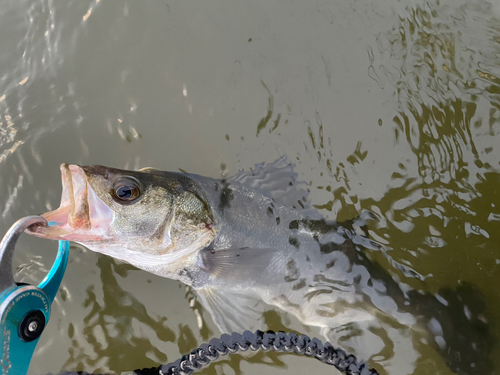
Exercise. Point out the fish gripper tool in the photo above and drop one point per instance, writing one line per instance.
(24, 308)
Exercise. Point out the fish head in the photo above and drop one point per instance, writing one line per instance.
(142, 217)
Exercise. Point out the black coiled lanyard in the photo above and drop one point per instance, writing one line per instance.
(266, 341)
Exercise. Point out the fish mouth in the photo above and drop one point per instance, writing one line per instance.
(82, 216)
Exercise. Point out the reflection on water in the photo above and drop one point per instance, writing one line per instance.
(110, 319)
(439, 61)
(391, 107)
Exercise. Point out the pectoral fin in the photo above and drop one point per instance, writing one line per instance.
(241, 275)
(233, 311)
(236, 266)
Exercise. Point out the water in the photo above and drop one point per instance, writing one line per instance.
(391, 107)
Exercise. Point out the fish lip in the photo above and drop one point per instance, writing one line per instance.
(63, 216)
(73, 219)
(79, 210)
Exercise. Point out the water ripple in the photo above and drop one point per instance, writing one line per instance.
(440, 61)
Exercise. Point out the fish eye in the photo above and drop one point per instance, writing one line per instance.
(126, 190)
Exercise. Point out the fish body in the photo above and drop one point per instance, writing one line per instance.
(250, 242)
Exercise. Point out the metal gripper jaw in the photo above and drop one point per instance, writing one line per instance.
(24, 309)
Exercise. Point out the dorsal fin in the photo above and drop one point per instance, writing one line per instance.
(279, 181)
(149, 170)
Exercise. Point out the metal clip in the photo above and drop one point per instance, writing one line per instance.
(24, 309)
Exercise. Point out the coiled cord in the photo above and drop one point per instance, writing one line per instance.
(278, 342)
(258, 340)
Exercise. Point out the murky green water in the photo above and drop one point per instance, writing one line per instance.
(391, 107)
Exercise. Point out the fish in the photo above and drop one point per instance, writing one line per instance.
(253, 242)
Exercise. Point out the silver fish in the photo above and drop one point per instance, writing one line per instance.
(253, 241)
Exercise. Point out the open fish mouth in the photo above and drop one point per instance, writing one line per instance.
(81, 216)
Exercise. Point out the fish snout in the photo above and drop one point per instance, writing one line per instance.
(82, 216)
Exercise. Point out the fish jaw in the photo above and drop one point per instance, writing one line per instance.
(82, 216)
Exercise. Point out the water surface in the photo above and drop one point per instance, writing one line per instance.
(391, 107)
